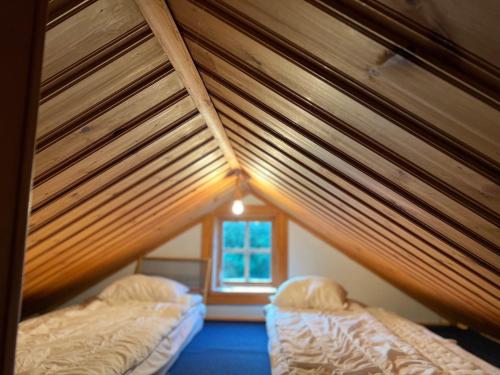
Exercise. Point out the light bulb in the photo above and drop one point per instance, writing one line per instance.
(238, 207)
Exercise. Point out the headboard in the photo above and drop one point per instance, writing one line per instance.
(192, 272)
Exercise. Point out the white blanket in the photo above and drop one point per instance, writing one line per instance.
(100, 338)
(361, 341)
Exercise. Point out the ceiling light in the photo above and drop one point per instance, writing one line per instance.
(238, 206)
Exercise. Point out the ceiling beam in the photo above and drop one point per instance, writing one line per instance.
(161, 22)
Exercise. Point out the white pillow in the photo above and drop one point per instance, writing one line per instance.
(144, 288)
(311, 292)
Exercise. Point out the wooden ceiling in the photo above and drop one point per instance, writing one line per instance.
(373, 122)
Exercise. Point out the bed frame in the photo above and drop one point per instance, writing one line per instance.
(195, 273)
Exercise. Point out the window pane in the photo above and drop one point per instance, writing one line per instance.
(260, 234)
(234, 234)
(233, 266)
(260, 266)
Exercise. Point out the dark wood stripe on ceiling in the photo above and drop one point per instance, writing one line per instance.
(95, 61)
(60, 10)
(349, 86)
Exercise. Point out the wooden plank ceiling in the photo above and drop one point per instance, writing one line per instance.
(122, 150)
(373, 122)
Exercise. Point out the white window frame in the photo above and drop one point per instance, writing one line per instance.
(246, 250)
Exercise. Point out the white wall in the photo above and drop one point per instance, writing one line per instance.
(308, 255)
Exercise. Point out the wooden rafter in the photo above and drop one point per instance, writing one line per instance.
(160, 20)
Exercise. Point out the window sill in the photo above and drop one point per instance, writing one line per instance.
(241, 295)
(246, 289)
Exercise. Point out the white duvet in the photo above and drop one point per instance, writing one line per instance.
(99, 338)
(361, 341)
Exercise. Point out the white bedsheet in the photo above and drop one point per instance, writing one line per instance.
(169, 348)
(361, 341)
(99, 338)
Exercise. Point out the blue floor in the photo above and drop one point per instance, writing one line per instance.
(224, 348)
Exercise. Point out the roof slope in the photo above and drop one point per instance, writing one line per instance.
(121, 150)
(375, 123)
(394, 155)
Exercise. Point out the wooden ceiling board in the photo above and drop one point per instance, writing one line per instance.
(345, 60)
(100, 130)
(96, 25)
(98, 90)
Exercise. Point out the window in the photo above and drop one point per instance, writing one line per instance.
(246, 252)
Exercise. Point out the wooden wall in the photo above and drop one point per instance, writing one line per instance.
(374, 122)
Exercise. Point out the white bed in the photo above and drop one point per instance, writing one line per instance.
(361, 341)
(347, 338)
(136, 326)
(104, 338)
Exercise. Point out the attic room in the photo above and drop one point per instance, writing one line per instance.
(250, 187)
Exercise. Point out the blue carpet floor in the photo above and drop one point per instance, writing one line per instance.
(224, 348)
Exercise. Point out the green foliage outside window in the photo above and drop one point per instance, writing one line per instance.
(246, 251)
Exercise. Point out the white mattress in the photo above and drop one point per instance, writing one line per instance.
(165, 354)
(361, 341)
(106, 337)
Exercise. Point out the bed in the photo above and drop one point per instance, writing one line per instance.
(137, 326)
(353, 339)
